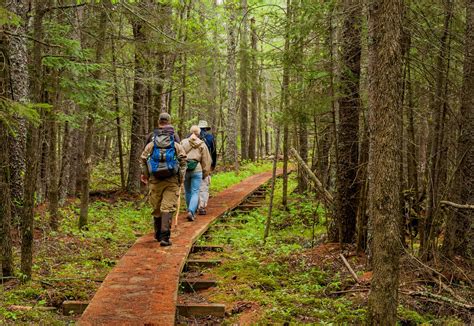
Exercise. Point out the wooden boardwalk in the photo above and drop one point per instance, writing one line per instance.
(143, 288)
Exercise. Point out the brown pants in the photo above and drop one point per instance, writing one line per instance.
(164, 196)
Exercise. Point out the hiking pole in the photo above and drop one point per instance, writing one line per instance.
(178, 207)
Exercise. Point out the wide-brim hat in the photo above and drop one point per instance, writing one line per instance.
(164, 117)
(203, 124)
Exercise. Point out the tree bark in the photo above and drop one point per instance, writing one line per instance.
(53, 171)
(385, 64)
(348, 131)
(459, 234)
(19, 92)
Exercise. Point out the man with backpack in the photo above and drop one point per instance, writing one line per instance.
(210, 142)
(163, 163)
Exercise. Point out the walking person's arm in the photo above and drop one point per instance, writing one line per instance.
(181, 155)
(143, 163)
(206, 161)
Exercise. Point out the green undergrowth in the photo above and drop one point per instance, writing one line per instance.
(273, 275)
(70, 264)
(284, 278)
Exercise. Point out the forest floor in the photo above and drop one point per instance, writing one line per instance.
(294, 277)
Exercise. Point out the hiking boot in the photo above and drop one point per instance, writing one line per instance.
(165, 242)
(165, 229)
(190, 217)
(202, 211)
(157, 227)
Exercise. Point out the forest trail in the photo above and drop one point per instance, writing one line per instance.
(143, 287)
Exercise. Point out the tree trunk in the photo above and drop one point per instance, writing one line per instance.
(118, 121)
(459, 229)
(362, 218)
(65, 162)
(348, 131)
(385, 64)
(136, 140)
(32, 145)
(19, 92)
(53, 172)
(272, 189)
(244, 83)
(89, 131)
(285, 102)
(254, 125)
(6, 252)
(231, 155)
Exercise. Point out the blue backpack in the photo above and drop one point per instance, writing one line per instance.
(163, 163)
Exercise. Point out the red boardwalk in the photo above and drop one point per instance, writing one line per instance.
(143, 288)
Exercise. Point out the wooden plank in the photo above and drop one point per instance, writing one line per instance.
(247, 208)
(74, 307)
(192, 284)
(201, 309)
(207, 248)
(201, 263)
(227, 226)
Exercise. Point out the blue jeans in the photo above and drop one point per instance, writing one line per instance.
(192, 183)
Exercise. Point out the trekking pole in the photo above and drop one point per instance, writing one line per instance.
(178, 207)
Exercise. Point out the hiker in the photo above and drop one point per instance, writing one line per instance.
(210, 141)
(164, 122)
(163, 164)
(198, 168)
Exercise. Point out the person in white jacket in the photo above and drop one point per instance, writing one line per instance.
(198, 168)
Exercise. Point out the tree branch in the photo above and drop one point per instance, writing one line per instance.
(450, 203)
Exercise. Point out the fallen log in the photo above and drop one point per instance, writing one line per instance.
(349, 268)
(328, 198)
(438, 297)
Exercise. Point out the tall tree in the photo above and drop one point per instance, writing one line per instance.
(244, 82)
(19, 92)
(138, 112)
(285, 100)
(32, 145)
(90, 121)
(459, 228)
(385, 64)
(254, 125)
(348, 130)
(6, 252)
(231, 105)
